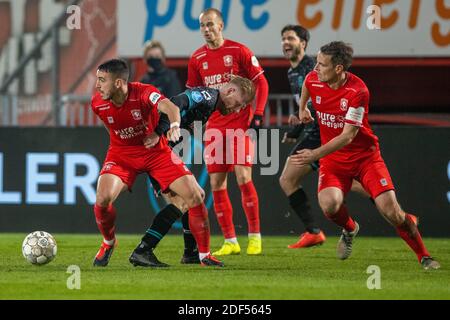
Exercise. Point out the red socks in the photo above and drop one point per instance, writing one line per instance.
(410, 234)
(224, 210)
(250, 204)
(105, 219)
(224, 213)
(199, 225)
(341, 218)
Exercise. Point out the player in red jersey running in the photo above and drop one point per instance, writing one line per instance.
(350, 150)
(211, 66)
(129, 111)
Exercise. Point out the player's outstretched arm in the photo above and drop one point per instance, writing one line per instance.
(307, 156)
(163, 125)
(173, 113)
(182, 102)
(304, 113)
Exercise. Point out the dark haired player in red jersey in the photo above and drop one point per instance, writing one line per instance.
(211, 66)
(130, 112)
(350, 150)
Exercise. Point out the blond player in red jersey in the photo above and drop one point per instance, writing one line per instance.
(350, 150)
(130, 112)
(211, 66)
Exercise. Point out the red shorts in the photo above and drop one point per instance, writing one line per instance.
(161, 164)
(370, 171)
(223, 152)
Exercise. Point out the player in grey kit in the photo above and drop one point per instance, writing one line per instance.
(196, 104)
(294, 43)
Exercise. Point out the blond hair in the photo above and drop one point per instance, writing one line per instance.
(150, 44)
(246, 86)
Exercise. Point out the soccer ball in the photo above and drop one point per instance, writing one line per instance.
(39, 247)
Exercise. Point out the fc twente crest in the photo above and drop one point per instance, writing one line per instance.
(136, 113)
(344, 104)
(228, 61)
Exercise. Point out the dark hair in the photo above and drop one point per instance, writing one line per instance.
(213, 10)
(340, 52)
(300, 31)
(116, 67)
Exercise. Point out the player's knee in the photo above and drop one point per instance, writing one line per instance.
(179, 203)
(103, 199)
(392, 212)
(243, 178)
(202, 194)
(218, 185)
(286, 184)
(194, 198)
(282, 181)
(195, 201)
(330, 206)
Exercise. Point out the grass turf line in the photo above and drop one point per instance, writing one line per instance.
(280, 273)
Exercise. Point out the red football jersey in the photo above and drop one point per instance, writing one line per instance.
(131, 122)
(213, 67)
(334, 108)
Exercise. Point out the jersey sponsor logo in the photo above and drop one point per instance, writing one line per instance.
(216, 80)
(108, 166)
(154, 97)
(205, 65)
(130, 132)
(355, 115)
(206, 95)
(136, 113)
(110, 120)
(344, 104)
(255, 62)
(318, 99)
(197, 96)
(228, 61)
(330, 120)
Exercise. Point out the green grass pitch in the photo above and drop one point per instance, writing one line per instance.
(280, 273)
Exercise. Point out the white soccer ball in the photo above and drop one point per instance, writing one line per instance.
(39, 247)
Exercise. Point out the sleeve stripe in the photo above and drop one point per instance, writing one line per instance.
(354, 123)
(260, 73)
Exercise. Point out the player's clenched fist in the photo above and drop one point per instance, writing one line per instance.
(174, 133)
(305, 116)
(303, 157)
(294, 120)
(151, 140)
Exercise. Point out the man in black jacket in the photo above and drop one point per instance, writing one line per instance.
(158, 75)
